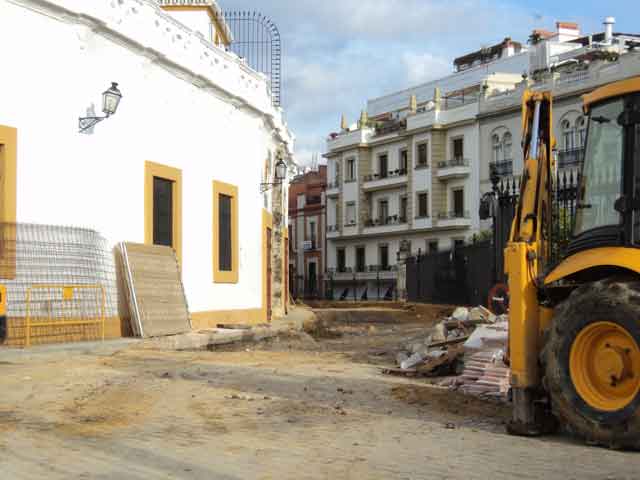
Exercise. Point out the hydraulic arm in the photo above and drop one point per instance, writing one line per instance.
(526, 254)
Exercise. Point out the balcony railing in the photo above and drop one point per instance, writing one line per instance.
(310, 245)
(390, 126)
(334, 184)
(570, 158)
(453, 215)
(333, 228)
(314, 200)
(382, 268)
(502, 168)
(390, 220)
(455, 162)
(400, 172)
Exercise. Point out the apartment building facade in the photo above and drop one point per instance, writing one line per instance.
(408, 177)
(307, 233)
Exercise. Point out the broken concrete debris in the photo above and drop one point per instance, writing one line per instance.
(469, 344)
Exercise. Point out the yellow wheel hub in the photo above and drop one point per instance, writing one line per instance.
(605, 366)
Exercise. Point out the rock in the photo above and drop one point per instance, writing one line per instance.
(401, 357)
(481, 314)
(412, 361)
(460, 314)
(439, 333)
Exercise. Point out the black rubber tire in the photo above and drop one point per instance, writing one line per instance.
(617, 302)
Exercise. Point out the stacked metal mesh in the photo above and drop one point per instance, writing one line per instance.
(32, 255)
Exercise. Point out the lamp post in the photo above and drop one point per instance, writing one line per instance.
(110, 102)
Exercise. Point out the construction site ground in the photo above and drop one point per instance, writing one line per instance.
(294, 407)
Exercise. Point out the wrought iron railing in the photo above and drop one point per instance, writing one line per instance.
(333, 228)
(390, 126)
(390, 220)
(333, 185)
(454, 162)
(400, 172)
(503, 168)
(570, 158)
(453, 215)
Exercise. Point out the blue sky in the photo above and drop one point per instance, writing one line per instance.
(339, 53)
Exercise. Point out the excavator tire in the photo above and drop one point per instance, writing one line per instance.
(592, 364)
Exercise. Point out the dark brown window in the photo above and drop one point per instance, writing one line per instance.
(422, 155)
(360, 259)
(423, 205)
(383, 211)
(224, 243)
(403, 161)
(162, 212)
(433, 246)
(384, 257)
(403, 209)
(383, 165)
(341, 259)
(458, 203)
(458, 149)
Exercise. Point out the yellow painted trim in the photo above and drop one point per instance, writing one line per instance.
(285, 268)
(219, 276)
(211, 319)
(628, 258)
(151, 170)
(219, 30)
(623, 87)
(267, 223)
(8, 197)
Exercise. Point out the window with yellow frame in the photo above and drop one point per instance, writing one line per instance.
(226, 248)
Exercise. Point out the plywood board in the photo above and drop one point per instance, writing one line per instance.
(156, 295)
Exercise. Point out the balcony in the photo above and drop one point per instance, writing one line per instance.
(333, 231)
(454, 219)
(390, 126)
(456, 168)
(570, 158)
(310, 245)
(392, 223)
(333, 188)
(390, 179)
(349, 139)
(503, 168)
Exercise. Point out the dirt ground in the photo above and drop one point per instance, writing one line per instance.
(302, 406)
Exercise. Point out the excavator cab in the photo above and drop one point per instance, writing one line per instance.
(575, 325)
(608, 210)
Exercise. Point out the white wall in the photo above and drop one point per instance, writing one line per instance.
(97, 181)
(196, 20)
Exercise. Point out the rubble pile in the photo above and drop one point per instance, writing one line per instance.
(469, 344)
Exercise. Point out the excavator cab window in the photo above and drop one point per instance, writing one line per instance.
(602, 173)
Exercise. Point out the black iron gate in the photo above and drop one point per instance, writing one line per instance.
(466, 275)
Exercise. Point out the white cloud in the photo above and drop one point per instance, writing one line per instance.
(422, 67)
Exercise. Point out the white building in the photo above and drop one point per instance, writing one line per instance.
(413, 169)
(193, 116)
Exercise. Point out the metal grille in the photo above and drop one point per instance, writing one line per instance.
(225, 233)
(257, 40)
(50, 255)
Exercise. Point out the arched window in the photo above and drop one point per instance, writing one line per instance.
(497, 148)
(506, 146)
(581, 127)
(568, 137)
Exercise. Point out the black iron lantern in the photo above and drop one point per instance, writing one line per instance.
(110, 102)
(111, 99)
(279, 176)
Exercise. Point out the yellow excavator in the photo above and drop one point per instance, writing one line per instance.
(574, 332)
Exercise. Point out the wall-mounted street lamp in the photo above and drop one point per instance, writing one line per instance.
(280, 175)
(110, 101)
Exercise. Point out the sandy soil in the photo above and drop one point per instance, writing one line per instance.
(301, 406)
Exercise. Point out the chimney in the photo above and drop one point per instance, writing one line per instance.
(609, 22)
